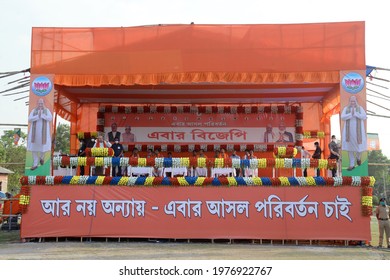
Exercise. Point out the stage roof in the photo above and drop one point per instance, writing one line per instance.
(160, 64)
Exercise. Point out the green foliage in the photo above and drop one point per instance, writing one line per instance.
(62, 142)
(380, 170)
(13, 157)
(375, 200)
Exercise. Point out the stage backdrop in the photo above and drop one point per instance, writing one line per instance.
(203, 128)
(289, 213)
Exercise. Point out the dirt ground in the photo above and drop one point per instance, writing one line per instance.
(11, 248)
(71, 250)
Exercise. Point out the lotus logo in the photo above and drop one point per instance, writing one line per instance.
(352, 82)
(41, 86)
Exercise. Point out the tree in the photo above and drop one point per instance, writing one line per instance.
(62, 141)
(378, 167)
(13, 157)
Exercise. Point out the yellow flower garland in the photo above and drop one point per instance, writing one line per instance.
(321, 134)
(306, 134)
(199, 181)
(185, 162)
(284, 181)
(149, 181)
(123, 181)
(282, 151)
(99, 180)
(201, 162)
(24, 200)
(367, 200)
(322, 163)
(219, 162)
(81, 161)
(257, 181)
(99, 161)
(279, 163)
(310, 181)
(74, 180)
(182, 181)
(141, 162)
(372, 181)
(262, 163)
(232, 181)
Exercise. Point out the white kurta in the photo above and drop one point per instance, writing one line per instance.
(39, 145)
(353, 145)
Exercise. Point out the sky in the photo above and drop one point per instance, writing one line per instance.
(19, 16)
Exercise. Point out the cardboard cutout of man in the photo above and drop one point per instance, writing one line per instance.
(39, 137)
(354, 138)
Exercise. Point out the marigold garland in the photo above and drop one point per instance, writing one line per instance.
(99, 161)
(284, 181)
(257, 181)
(313, 134)
(65, 161)
(101, 152)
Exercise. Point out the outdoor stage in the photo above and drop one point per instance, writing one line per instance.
(263, 91)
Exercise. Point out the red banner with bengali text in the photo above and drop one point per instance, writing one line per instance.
(292, 213)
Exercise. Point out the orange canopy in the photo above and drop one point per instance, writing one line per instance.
(197, 53)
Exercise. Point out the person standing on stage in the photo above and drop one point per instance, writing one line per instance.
(101, 143)
(334, 153)
(81, 153)
(39, 138)
(305, 154)
(118, 153)
(235, 156)
(317, 155)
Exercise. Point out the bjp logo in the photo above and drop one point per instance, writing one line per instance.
(41, 86)
(352, 82)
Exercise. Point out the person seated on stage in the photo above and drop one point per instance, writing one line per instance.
(223, 154)
(201, 171)
(304, 154)
(217, 154)
(134, 155)
(150, 154)
(157, 153)
(118, 153)
(235, 156)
